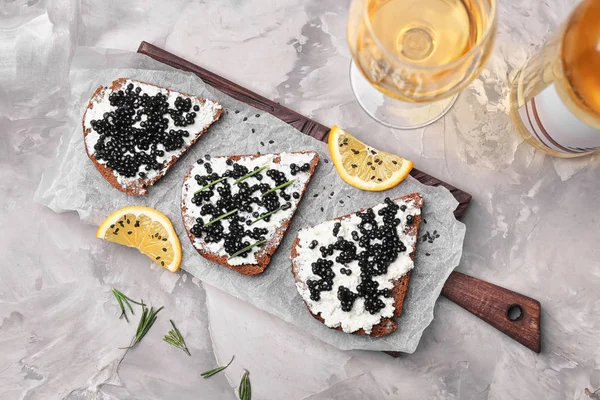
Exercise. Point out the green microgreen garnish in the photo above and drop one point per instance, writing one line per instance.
(227, 214)
(265, 215)
(175, 339)
(256, 171)
(212, 372)
(146, 321)
(123, 301)
(245, 390)
(209, 185)
(245, 249)
(283, 185)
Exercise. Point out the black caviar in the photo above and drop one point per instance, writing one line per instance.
(336, 228)
(375, 246)
(256, 199)
(294, 169)
(130, 135)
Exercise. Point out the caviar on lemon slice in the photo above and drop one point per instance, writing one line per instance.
(146, 229)
(363, 166)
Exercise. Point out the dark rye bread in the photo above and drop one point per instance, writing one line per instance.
(263, 256)
(386, 325)
(139, 187)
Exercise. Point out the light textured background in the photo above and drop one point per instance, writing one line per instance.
(533, 225)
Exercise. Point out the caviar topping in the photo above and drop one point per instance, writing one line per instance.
(135, 135)
(232, 198)
(374, 246)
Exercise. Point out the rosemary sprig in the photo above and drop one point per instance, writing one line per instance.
(227, 214)
(212, 372)
(265, 215)
(123, 301)
(245, 249)
(283, 185)
(245, 390)
(175, 339)
(209, 185)
(256, 171)
(146, 321)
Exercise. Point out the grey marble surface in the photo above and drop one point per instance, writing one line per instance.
(533, 224)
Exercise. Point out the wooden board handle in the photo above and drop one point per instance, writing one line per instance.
(516, 315)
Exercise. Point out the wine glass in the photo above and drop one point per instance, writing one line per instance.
(412, 57)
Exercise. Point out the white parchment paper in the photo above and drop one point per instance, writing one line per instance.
(73, 183)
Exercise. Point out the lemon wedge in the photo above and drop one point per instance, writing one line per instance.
(146, 229)
(364, 167)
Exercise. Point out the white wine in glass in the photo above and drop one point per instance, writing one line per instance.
(412, 57)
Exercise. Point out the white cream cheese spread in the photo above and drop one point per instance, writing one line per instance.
(313, 243)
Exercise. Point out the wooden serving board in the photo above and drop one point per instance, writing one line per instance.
(516, 315)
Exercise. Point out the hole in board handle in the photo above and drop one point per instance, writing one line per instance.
(514, 313)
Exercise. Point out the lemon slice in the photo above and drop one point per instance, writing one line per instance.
(146, 229)
(363, 166)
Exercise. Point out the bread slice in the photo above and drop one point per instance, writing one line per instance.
(359, 322)
(260, 256)
(206, 111)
